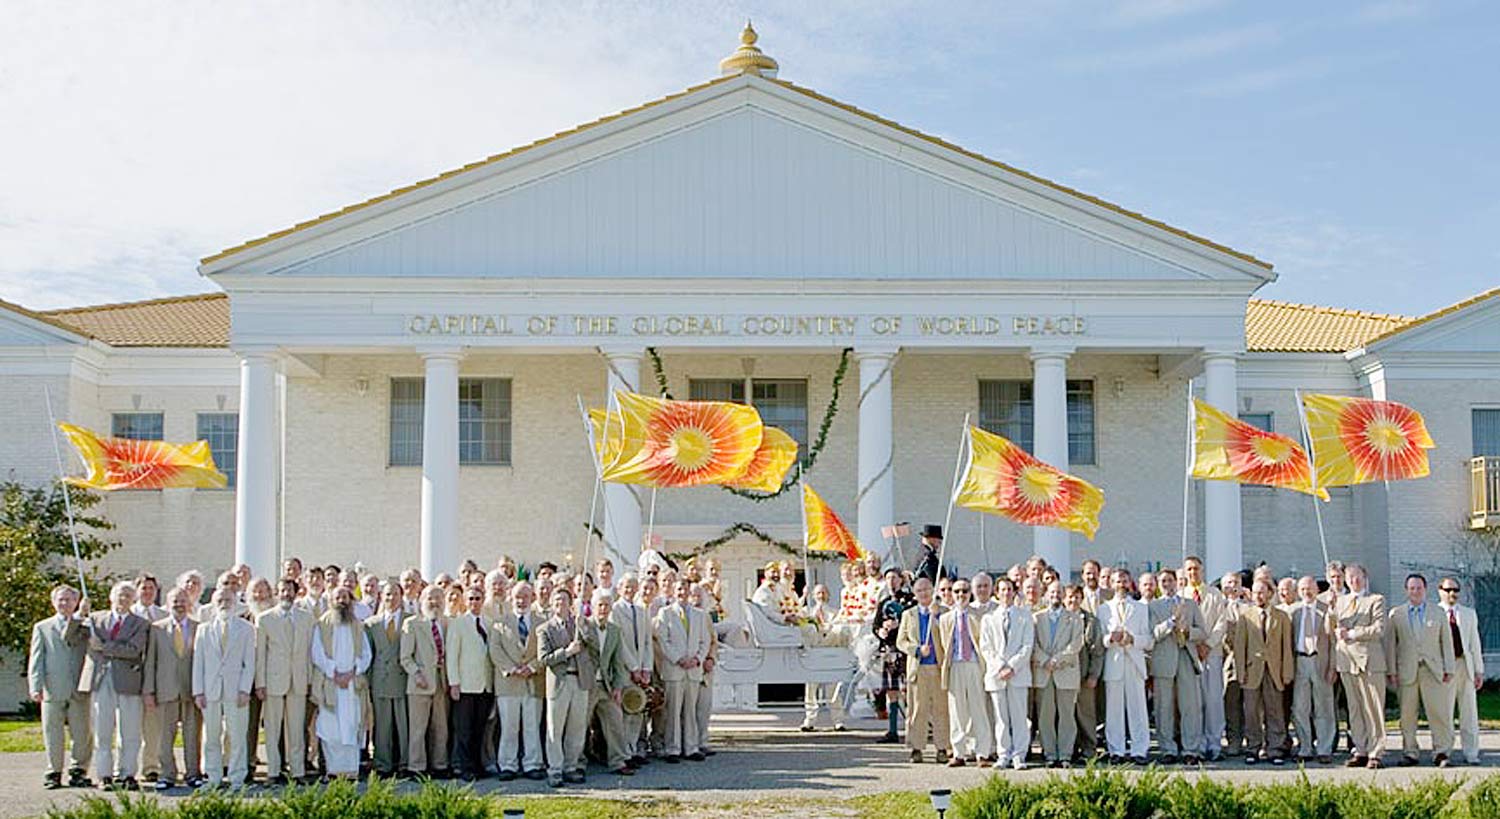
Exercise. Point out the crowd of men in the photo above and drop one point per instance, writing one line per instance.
(474, 674)
(516, 674)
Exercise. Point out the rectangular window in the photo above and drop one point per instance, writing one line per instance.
(1486, 432)
(221, 430)
(782, 403)
(1262, 421)
(484, 421)
(1007, 408)
(484, 432)
(1487, 606)
(140, 426)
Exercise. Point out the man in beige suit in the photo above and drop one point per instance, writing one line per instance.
(113, 674)
(1359, 622)
(1262, 651)
(519, 686)
(1217, 621)
(283, 641)
(1468, 662)
(56, 658)
(927, 701)
(1420, 644)
(560, 650)
(1312, 681)
(223, 677)
(682, 644)
(639, 651)
(962, 668)
(168, 692)
(424, 656)
(1055, 672)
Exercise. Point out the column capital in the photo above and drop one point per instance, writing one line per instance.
(623, 353)
(876, 352)
(1220, 355)
(257, 352)
(439, 352)
(1050, 353)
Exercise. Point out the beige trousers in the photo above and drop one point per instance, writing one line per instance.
(927, 709)
(284, 717)
(1437, 699)
(611, 723)
(1058, 720)
(705, 710)
(427, 720)
(1265, 719)
(681, 728)
(1312, 710)
(969, 727)
(150, 742)
(184, 713)
(567, 725)
(1366, 696)
(72, 713)
(226, 726)
(1179, 707)
(109, 712)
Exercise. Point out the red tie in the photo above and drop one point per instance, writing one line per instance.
(114, 630)
(437, 638)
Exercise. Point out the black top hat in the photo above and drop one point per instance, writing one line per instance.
(932, 530)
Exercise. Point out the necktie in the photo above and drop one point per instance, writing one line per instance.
(390, 629)
(479, 627)
(1265, 624)
(1411, 617)
(961, 636)
(179, 644)
(524, 628)
(635, 631)
(1458, 640)
(1197, 595)
(224, 636)
(114, 629)
(437, 640)
(683, 613)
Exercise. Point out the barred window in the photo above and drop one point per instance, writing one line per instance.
(782, 402)
(484, 421)
(221, 431)
(140, 426)
(1007, 407)
(1486, 425)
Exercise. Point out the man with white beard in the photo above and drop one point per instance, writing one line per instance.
(341, 654)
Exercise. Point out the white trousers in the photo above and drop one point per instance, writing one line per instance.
(1125, 707)
(1012, 728)
(111, 711)
(520, 725)
(968, 719)
(817, 695)
(1212, 680)
(681, 729)
(225, 727)
(1468, 713)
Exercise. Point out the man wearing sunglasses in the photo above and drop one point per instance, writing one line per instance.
(962, 669)
(1468, 654)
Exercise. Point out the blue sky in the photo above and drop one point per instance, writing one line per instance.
(1353, 144)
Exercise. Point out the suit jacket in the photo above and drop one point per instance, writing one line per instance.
(1364, 651)
(469, 655)
(909, 636)
(169, 677)
(603, 645)
(947, 625)
(1263, 656)
(1064, 643)
(1468, 633)
(1135, 619)
(637, 635)
(508, 651)
(121, 655)
(224, 660)
(387, 677)
(283, 651)
(419, 654)
(675, 642)
(1006, 639)
(56, 658)
(1322, 626)
(552, 652)
(1171, 651)
(149, 613)
(1430, 643)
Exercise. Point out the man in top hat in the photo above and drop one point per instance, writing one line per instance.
(928, 565)
(58, 646)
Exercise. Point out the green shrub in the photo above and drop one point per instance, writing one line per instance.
(1202, 798)
(1482, 802)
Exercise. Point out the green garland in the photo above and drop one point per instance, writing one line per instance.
(726, 536)
(661, 374)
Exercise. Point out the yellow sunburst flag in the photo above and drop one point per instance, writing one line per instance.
(668, 443)
(767, 470)
(826, 532)
(1004, 479)
(1228, 449)
(126, 463)
(1359, 440)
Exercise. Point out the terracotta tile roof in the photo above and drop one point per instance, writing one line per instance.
(200, 320)
(1437, 314)
(783, 83)
(1284, 327)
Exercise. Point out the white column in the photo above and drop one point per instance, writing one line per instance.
(622, 506)
(876, 493)
(1049, 443)
(440, 462)
(1223, 551)
(255, 488)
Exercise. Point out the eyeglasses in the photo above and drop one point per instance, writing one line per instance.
(1453, 589)
(960, 590)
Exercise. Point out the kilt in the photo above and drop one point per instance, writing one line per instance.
(893, 670)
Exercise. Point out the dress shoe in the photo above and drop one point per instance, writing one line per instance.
(1357, 762)
(1325, 759)
(956, 762)
(1407, 761)
(1169, 759)
(507, 776)
(840, 727)
(1441, 760)
(151, 777)
(52, 782)
(696, 756)
(78, 779)
(971, 760)
(574, 777)
(888, 739)
(555, 781)
(671, 759)
(984, 762)
(1374, 764)
(916, 757)
(536, 774)
(942, 756)
(1191, 759)
(806, 728)
(164, 784)
(623, 770)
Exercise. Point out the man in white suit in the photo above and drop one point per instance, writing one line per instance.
(1468, 657)
(1006, 637)
(638, 649)
(283, 644)
(682, 646)
(1127, 638)
(471, 684)
(223, 676)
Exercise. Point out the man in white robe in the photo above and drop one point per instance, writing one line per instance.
(341, 653)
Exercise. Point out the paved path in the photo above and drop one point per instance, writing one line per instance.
(763, 757)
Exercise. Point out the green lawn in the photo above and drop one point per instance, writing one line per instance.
(18, 735)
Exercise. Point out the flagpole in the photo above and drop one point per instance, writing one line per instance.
(806, 558)
(62, 479)
(651, 518)
(984, 548)
(1187, 472)
(1312, 469)
(963, 449)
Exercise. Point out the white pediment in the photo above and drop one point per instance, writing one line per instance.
(20, 330)
(1465, 328)
(745, 178)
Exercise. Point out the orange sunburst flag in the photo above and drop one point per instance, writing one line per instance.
(1359, 440)
(667, 443)
(1228, 449)
(608, 437)
(1004, 479)
(126, 463)
(825, 531)
(767, 470)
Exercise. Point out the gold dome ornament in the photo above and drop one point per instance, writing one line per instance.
(747, 59)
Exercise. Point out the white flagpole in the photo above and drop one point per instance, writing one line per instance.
(651, 518)
(958, 469)
(62, 478)
(1187, 472)
(1312, 469)
(984, 548)
(806, 557)
(594, 449)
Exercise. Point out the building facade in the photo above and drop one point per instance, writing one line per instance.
(399, 383)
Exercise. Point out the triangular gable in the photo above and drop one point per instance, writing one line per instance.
(1469, 326)
(20, 327)
(744, 176)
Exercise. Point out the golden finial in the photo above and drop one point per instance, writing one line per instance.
(747, 59)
